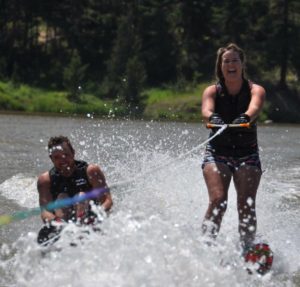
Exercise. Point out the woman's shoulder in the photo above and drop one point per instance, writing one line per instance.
(256, 88)
(253, 84)
(211, 89)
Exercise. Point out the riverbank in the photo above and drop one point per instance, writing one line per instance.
(159, 104)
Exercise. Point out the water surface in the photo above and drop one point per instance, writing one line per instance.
(152, 237)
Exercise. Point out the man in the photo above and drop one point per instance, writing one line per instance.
(67, 178)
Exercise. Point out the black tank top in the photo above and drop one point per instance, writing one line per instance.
(71, 185)
(234, 142)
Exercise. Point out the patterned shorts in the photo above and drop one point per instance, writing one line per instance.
(232, 162)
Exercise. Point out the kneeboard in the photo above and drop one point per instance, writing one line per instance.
(48, 235)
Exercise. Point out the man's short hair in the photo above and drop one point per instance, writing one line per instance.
(57, 141)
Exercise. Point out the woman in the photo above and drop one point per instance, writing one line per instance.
(234, 153)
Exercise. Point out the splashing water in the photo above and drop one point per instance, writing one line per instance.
(152, 237)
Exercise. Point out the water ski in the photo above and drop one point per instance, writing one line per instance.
(259, 258)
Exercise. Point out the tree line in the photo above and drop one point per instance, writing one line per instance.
(117, 48)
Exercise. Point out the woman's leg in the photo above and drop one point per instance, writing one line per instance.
(217, 178)
(246, 180)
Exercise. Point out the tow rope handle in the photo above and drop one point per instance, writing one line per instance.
(245, 125)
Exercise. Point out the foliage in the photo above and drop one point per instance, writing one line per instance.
(118, 49)
(25, 98)
(74, 75)
(172, 104)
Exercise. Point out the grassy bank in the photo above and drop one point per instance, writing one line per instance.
(33, 100)
(172, 104)
(160, 103)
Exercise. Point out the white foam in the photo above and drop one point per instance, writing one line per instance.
(22, 189)
(153, 237)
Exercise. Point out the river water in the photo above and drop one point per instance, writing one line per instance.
(152, 237)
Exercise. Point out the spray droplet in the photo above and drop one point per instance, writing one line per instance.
(249, 201)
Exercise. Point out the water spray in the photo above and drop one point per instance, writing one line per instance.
(20, 215)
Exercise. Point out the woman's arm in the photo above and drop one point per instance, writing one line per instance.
(258, 95)
(208, 102)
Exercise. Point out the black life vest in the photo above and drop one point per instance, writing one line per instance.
(71, 185)
(235, 142)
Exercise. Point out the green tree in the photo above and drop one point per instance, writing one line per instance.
(157, 50)
(279, 37)
(133, 85)
(191, 28)
(276, 38)
(135, 43)
(126, 72)
(74, 75)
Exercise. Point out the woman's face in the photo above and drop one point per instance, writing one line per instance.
(231, 66)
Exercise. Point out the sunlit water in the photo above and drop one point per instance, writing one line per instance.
(152, 237)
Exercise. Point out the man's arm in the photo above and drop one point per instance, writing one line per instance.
(97, 180)
(45, 197)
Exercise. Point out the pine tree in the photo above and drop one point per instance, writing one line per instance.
(74, 74)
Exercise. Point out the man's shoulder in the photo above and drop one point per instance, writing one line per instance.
(44, 176)
(43, 179)
(92, 167)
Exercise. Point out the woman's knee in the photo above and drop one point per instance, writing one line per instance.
(246, 203)
(219, 201)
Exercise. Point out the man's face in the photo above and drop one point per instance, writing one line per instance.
(62, 158)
